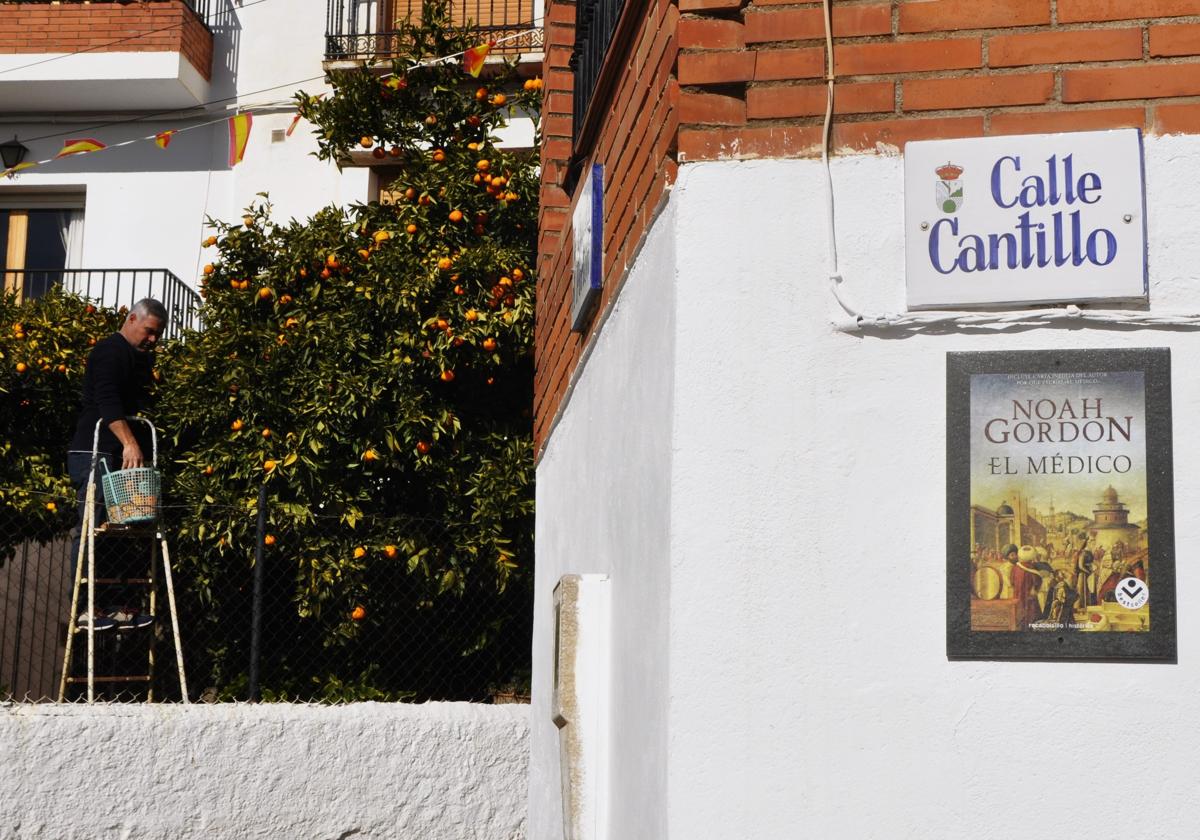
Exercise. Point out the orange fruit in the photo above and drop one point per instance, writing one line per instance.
(50, 506)
(211, 241)
(459, 290)
(269, 539)
(331, 261)
(389, 550)
(22, 367)
(208, 470)
(208, 269)
(366, 142)
(456, 216)
(423, 447)
(438, 156)
(370, 455)
(63, 369)
(489, 344)
(445, 263)
(424, 201)
(471, 315)
(410, 193)
(248, 221)
(360, 553)
(326, 274)
(285, 299)
(358, 613)
(442, 324)
(411, 229)
(381, 236)
(395, 151)
(237, 425)
(266, 433)
(431, 119)
(363, 253)
(264, 293)
(499, 99)
(483, 165)
(481, 93)
(379, 153)
(268, 465)
(518, 274)
(303, 272)
(447, 376)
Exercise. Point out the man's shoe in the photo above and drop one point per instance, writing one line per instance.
(101, 623)
(128, 618)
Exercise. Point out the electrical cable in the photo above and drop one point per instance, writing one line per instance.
(857, 320)
(202, 105)
(95, 47)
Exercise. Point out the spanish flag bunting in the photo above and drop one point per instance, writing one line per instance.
(12, 171)
(292, 127)
(163, 138)
(80, 146)
(474, 57)
(239, 136)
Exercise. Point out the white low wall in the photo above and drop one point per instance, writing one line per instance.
(440, 771)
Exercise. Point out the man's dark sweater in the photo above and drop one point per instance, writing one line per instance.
(115, 384)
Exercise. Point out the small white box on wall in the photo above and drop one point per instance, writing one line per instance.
(580, 705)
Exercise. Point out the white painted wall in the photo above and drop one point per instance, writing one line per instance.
(146, 206)
(603, 494)
(370, 771)
(805, 690)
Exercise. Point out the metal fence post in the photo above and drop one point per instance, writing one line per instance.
(256, 607)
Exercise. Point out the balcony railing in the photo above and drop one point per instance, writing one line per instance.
(595, 24)
(116, 287)
(356, 30)
(201, 8)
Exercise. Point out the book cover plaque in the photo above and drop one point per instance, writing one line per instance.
(1060, 522)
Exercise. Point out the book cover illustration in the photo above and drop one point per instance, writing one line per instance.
(1062, 470)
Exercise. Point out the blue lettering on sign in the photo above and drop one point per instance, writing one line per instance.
(1033, 242)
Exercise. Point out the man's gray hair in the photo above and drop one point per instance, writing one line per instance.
(151, 307)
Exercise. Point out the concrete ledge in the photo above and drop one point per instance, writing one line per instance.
(369, 770)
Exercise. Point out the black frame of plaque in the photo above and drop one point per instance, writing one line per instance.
(1159, 642)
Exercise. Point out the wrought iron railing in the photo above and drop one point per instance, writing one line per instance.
(370, 29)
(201, 8)
(595, 23)
(116, 287)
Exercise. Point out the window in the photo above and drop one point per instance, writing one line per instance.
(41, 239)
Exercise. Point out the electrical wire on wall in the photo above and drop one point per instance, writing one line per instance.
(857, 320)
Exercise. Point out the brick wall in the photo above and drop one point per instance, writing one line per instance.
(167, 26)
(636, 144)
(748, 81)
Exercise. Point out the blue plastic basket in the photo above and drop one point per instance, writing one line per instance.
(131, 496)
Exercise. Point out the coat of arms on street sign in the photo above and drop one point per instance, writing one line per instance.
(949, 188)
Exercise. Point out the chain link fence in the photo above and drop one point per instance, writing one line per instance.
(251, 626)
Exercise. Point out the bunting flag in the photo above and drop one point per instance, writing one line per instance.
(80, 146)
(239, 136)
(163, 138)
(474, 57)
(12, 171)
(292, 127)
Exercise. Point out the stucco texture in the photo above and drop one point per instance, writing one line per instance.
(363, 771)
(805, 691)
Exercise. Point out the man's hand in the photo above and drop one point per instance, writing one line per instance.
(131, 456)
(131, 453)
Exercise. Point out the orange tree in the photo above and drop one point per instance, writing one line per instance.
(372, 366)
(44, 344)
